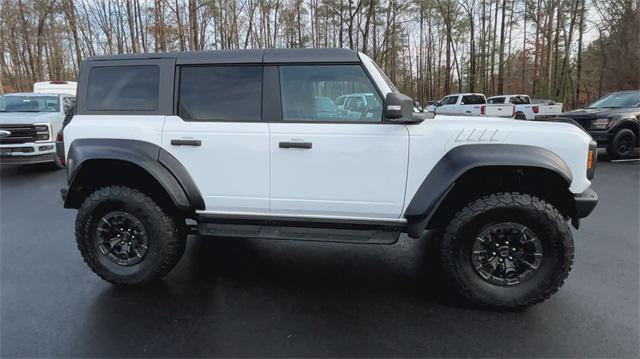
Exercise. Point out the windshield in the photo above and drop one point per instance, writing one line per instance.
(29, 104)
(618, 100)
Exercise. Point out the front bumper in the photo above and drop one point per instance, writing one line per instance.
(27, 153)
(585, 204)
(603, 137)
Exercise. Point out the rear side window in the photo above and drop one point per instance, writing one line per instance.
(473, 100)
(495, 100)
(220, 93)
(520, 100)
(123, 88)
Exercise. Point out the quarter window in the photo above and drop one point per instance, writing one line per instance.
(333, 93)
(123, 88)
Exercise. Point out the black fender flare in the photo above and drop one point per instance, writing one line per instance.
(160, 164)
(461, 159)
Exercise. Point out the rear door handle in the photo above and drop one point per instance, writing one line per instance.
(305, 145)
(176, 142)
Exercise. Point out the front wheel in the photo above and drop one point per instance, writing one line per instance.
(507, 250)
(622, 144)
(126, 238)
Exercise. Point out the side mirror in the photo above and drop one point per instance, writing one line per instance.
(399, 108)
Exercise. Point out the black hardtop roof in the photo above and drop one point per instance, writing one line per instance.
(315, 55)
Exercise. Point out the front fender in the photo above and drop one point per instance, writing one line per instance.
(460, 160)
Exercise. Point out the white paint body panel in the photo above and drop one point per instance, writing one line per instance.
(231, 168)
(432, 139)
(352, 170)
(127, 127)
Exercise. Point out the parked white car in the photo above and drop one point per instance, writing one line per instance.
(253, 146)
(470, 104)
(525, 109)
(56, 87)
(29, 123)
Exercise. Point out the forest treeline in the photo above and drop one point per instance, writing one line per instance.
(567, 50)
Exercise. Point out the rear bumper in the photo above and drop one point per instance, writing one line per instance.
(585, 203)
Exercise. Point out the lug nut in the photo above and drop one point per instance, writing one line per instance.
(506, 242)
(501, 260)
(493, 253)
(510, 258)
(513, 249)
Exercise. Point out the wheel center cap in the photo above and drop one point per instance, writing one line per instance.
(504, 251)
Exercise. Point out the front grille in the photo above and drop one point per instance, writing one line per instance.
(19, 134)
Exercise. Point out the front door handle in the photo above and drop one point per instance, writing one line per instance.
(305, 145)
(176, 142)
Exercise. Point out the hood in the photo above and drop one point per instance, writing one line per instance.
(20, 118)
(598, 112)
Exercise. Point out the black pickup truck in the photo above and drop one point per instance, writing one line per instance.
(613, 121)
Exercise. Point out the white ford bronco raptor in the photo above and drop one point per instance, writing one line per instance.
(248, 143)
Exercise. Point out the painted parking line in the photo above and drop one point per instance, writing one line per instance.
(627, 160)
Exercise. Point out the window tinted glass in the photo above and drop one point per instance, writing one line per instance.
(449, 100)
(221, 93)
(473, 100)
(495, 100)
(519, 100)
(118, 88)
(328, 93)
(29, 104)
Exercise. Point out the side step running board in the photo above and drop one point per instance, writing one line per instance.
(291, 231)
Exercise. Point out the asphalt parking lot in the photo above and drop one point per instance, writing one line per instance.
(278, 298)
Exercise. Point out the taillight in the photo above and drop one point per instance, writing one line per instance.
(60, 147)
(483, 110)
(535, 109)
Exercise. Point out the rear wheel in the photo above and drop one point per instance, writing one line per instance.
(126, 238)
(622, 144)
(507, 250)
(520, 116)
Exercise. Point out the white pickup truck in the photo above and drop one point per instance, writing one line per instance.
(470, 104)
(525, 109)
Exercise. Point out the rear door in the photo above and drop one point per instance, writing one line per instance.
(219, 136)
(349, 165)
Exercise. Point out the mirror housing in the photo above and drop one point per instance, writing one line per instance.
(398, 108)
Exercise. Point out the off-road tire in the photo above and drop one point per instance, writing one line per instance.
(622, 144)
(520, 116)
(543, 218)
(166, 236)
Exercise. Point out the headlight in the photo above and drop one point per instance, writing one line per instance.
(42, 132)
(600, 124)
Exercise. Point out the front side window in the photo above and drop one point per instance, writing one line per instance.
(334, 93)
(29, 104)
(449, 100)
(123, 88)
(220, 93)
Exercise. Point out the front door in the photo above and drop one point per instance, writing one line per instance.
(335, 161)
(220, 138)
